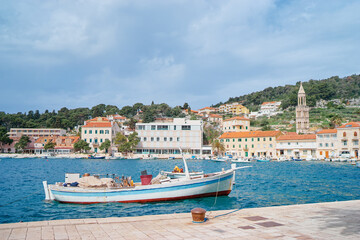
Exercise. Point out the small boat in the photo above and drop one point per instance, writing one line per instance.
(150, 158)
(96, 157)
(263, 159)
(240, 160)
(149, 190)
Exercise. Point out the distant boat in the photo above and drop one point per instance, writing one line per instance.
(96, 157)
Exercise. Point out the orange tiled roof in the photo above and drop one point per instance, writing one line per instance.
(350, 124)
(119, 117)
(327, 131)
(237, 118)
(297, 137)
(207, 108)
(98, 119)
(250, 134)
(215, 116)
(97, 124)
(264, 103)
(53, 139)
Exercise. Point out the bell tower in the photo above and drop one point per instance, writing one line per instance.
(302, 112)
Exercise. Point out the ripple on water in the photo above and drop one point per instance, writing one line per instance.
(265, 184)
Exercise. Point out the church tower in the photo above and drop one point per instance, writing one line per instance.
(302, 112)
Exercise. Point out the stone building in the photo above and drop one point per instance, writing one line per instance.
(302, 113)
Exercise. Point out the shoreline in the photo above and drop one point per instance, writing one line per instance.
(328, 220)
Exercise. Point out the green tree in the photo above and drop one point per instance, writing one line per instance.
(105, 145)
(126, 144)
(131, 123)
(49, 145)
(133, 140)
(218, 147)
(336, 121)
(81, 145)
(22, 143)
(4, 138)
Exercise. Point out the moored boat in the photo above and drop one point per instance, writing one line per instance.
(159, 189)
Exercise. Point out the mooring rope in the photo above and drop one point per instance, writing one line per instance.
(18, 200)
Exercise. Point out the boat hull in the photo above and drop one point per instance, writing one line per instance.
(203, 187)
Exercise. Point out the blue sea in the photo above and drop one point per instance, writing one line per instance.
(264, 184)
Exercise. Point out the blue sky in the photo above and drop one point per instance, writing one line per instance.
(79, 53)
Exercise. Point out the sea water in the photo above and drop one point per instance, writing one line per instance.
(264, 184)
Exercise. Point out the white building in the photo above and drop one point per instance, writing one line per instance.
(163, 138)
(97, 130)
(292, 145)
(236, 124)
(269, 108)
(36, 132)
(327, 144)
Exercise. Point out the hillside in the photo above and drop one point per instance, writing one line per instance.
(326, 89)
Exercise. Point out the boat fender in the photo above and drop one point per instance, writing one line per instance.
(65, 185)
(74, 184)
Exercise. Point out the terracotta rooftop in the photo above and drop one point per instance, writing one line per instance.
(207, 108)
(297, 137)
(350, 124)
(250, 134)
(237, 118)
(327, 131)
(97, 124)
(265, 103)
(215, 116)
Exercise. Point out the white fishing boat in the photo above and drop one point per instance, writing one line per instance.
(240, 160)
(78, 190)
(175, 175)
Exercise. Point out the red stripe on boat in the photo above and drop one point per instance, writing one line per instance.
(222, 193)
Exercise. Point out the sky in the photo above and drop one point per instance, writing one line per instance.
(80, 53)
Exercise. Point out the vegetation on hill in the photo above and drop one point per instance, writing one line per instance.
(69, 118)
(326, 89)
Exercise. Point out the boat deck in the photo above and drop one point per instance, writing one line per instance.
(333, 220)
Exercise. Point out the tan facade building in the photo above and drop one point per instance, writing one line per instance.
(63, 144)
(327, 144)
(97, 130)
(36, 132)
(251, 143)
(348, 137)
(206, 110)
(293, 145)
(236, 124)
(234, 108)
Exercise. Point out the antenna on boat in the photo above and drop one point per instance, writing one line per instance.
(187, 174)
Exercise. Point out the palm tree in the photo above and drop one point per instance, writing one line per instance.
(218, 146)
(336, 120)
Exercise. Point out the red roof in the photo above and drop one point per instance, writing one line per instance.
(250, 134)
(97, 124)
(350, 124)
(297, 137)
(210, 108)
(237, 118)
(265, 103)
(215, 116)
(327, 131)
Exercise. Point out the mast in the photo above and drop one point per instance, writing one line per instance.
(187, 174)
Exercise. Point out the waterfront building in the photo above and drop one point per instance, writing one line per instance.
(116, 118)
(293, 145)
(268, 108)
(63, 144)
(97, 130)
(234, 108)
(327, 144)
(10, 148)
(36, 132)
(348, 137)
(206, 110)
(250, 143)
(215, 118)
(163, 138)
(302, 112)
(236, 124)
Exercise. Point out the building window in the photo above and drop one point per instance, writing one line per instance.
(270, 139)
(178, 139)
(90, 140)
(222, 140)
(233, 139)
(320, 152)
(106, 131)
(344, 134)
(162, 127)
(95, 131)
(153, 127)
(356, 142)
(326, 144)
(165, 139)
(246, 127)
(85, 131)
(140, 127)
(252, 139)
(152, 139)
(158, 139)
(258, 139)
(239, 146)
(239, 140)
(185, 127)
(345, 142)
(90, 131)
(270, 145)
(264, 139)
(245, 139)
(101, 140)
(233, 127)
(101, 131)
(233, 146)
(252, 145)
(288, 143)
(170, 139)
(85, 139)
(332, 144)
(355, 134)
(145, 139)
(320, 144)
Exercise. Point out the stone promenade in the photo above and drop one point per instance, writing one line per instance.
(334, 220)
